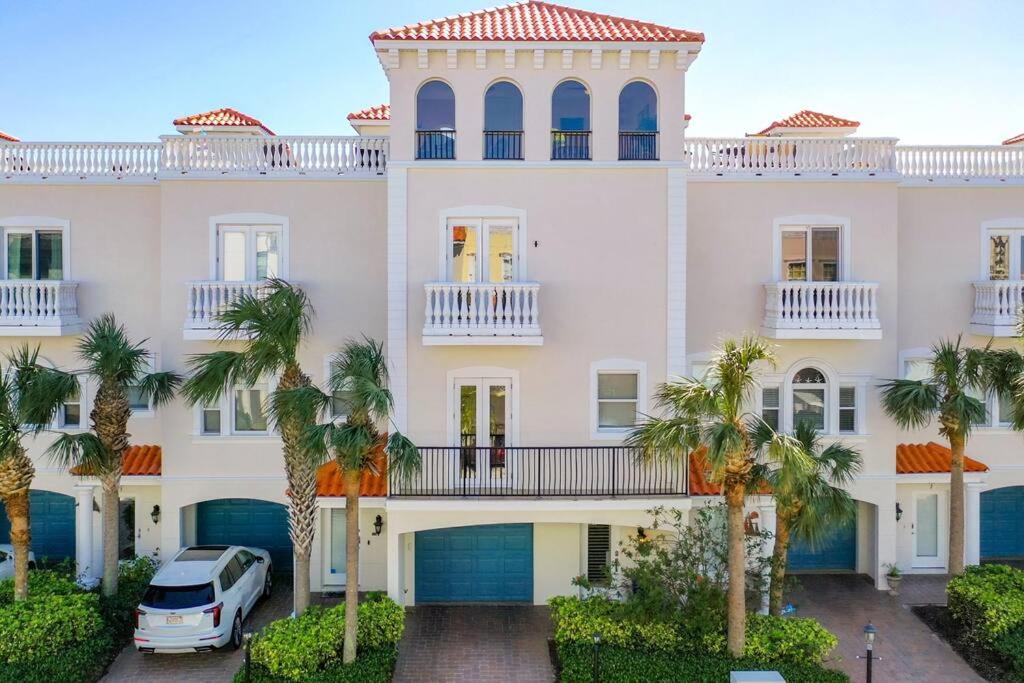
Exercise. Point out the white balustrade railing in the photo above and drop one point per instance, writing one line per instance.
(38, 303)
(278, 155)
(998, 303)
(981, 161)
(791, 156)
(207, 299)
(80, 159)
(482, 309)
(821, 306)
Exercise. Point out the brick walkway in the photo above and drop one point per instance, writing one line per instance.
(909, 651)
(205, 667)
(482, 644)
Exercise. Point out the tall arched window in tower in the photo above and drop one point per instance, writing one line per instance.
(435, 121)
(638, 122)
(570, 121)
(503, 121)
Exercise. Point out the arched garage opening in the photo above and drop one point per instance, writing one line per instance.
(245, 521)
(52, 522)
(847, 547)
(1002, 525)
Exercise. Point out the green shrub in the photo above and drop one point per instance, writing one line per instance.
(987, 602)
(41, 582)
(624, 665)
(295, 649)
(53, 638)
(118, 610)
(371, 666)
(576, 621)
(801, 641)
(1011, 646)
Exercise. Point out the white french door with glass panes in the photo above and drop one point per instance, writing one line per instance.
(810, 254)
(248, 253)
(482, 250)
(1005, 254)
(31, 254)
(482, 426)
(929, 529)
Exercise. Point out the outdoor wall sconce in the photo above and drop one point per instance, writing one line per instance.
(378, 525)
(899, 512)
(155, 514)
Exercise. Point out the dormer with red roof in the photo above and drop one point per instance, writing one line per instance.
(4, 137)
(372, 120)
(1016, 140)
(810, 124)
(224, 121)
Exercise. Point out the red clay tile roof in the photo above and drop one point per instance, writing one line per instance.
(139, 461)
(1017, 140)
(221, 117)
(810, 119)
(382, 112)
(538, 21)
(329, 483)
(700, 472)
(8, 138)
(930, 458)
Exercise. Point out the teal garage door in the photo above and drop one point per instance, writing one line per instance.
(53, 525)
(491, 563)
(1002, 524)
(836, 552)
(244, 521)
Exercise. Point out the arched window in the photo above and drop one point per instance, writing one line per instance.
(638, 122)
(810, 391)
(503, 121)
(435, 121)
(570, 121)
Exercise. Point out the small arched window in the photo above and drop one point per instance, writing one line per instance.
(570, 121)
(810, 392)
(503, 121)
(435, 121)
(638, 122)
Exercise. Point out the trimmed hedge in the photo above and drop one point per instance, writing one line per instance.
(40, 582)
(988, 601)
(371, 666)
(311, 645)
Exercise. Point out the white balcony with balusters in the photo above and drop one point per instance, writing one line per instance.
(38, 308)
(207, 299)
(821, 310)
(997, 307)
(464, 313)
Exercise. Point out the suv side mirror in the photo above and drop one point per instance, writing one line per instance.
(259, 559)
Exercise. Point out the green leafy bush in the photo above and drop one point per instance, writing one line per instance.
(41, 582)
(372, 666)
(296, 649)
(1011, 646)
(624, 665)
(118, 610)
(987, 602)
(53, 638)
(802, 641)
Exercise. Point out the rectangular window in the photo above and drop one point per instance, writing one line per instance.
(811, 254)
(249, 253)
(71, 411)
(1005, 410)
(249, 415)
(809, 406)
(599, 547)
(34, 254)
(136, 400)
(210, 420)
(482, 250)
(1006, 254)
(770, 406)
(339, 538)
(917, 369)
(848, 410)
(617, 397)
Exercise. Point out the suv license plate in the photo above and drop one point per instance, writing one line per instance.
(173, 620)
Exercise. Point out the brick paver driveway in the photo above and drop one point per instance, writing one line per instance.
(909, 651)
(483, 644)
(206, 667)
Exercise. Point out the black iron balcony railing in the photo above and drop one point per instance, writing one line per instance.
(503, 144)
(570, 145)
(638, 146)
(435, 144)
(539, 472)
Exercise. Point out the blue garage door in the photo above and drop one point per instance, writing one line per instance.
(53, 525)
(244, 521)
(837, 552)
(1002, 524)
(491, 563)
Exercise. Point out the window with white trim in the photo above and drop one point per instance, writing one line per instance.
(811, 253)
(341, 400)
(70, 415)
(618, 394)
(771, 406)
(247, 253)
(810, 398)
(34, 252)
(599, 554)
(482, 250)
(242, 411)
(210, 420)
(1005, 253)
(847, 410)
(140, 404)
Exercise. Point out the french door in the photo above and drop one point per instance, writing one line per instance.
(482, 421)
(248, 253)
(482, 250)
(929, 529)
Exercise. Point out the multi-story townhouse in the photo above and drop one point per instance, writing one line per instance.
(527, 227)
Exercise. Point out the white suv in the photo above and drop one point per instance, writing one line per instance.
(198, 600)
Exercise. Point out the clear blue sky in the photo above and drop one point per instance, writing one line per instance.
(945, 71)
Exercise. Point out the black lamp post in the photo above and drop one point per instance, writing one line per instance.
(869, 643)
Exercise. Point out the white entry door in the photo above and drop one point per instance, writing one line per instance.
(482, 421)
(931, 539)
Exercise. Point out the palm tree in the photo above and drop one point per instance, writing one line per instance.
(710, 412)
(357, 443)
(808, 501)
(117, 363)
(272, 325)
(949, 394)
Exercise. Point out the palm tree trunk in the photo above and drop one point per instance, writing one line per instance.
(110, 502)
(21, 538)
(779, 553)
(956, 505)
(351, 478)
(735, 495)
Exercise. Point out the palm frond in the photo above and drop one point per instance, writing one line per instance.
(403, 458)
(213, 374)
(910, 403)
(301, 405)
(360, 370)
(109, 353)
(274, 321)
(353, 445)
(839, 464)
(963, 410)
(83, 450)
(316, 440)
(41, 393)
(664, 438)
(159, 387)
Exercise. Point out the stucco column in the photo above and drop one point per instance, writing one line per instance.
(766, 511)
(83, 531)
(972, 534)
(885, 540)
(394, 563)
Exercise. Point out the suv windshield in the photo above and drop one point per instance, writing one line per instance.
(178, 597)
